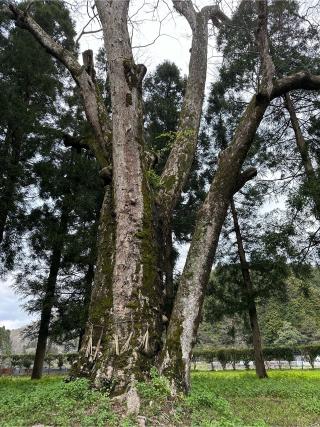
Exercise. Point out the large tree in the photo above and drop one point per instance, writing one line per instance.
(30, 88)
(124, 335)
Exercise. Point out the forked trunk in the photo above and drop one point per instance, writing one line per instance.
(248, 291)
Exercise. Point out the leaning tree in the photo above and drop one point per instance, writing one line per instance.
(126, 332)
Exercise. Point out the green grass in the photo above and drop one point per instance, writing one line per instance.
(286, 398)
(50, 401)
(221, 399)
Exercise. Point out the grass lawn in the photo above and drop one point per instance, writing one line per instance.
(287, 398)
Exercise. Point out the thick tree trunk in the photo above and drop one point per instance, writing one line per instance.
(248, 291)
(136, 324)
(183, 326)
(98, 331)
(49, 297)
(302, 146)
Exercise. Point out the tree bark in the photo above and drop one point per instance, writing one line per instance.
(98, 331)
(249, 295)
(304, 153)
(177, 168)
(168, 266)
(88, 280)
(136, 282)
(48, 301)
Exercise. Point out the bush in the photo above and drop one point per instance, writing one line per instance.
(236, 355)
(310, 352)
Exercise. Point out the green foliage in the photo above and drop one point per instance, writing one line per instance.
(29, 77)
(288, 335)
(208, 408)
(217, 399)
(240, 399)
(296, 318)
(157, 388)
(27, 361)
(154, 179)
(310, 352)
(288, 308)
(49, 194)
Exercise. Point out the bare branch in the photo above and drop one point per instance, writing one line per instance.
(94, 107)
(84, 32)
(157, 36)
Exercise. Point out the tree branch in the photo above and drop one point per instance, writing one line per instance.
(25, 21)
(83, 31)
(94, 107)
(244, 177)
(185, 8)
(179, 162)
(299, 80)
(215, 14)
(268, 69)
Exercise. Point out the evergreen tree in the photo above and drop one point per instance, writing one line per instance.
(61, 246)
(30, 87)
(50, 168)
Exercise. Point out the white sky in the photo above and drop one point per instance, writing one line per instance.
(163, 25)
(12, 316)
